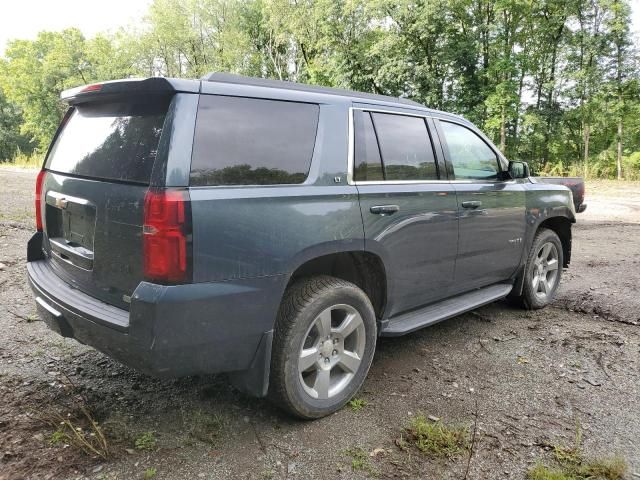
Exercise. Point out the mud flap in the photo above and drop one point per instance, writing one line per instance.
(34, 248)
(255, 380)
(518, 282)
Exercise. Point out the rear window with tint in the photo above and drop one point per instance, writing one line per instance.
(248, 141)
(407, 153)
(113, 141)
(367, 154)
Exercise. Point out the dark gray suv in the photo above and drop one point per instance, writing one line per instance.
(274, 230)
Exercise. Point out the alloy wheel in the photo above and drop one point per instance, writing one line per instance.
(544, 275)
(332, 351)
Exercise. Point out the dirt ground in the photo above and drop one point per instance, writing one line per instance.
(526, 380)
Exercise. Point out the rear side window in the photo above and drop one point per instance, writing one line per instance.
(368, 164)
(403, 146)
(111, 141)
(470, 156)
(247, 141)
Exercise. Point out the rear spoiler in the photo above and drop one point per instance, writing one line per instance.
(129, 86)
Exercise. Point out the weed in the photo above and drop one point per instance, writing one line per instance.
(360, 460)
(78, 427)
(402, 443)
(80, 430)
(203, 426)
(570, 464)
(145, 441)
(357, 404)
(436, 438)
(604, 469)
(57, 437)
(90, 438)
(150, 473)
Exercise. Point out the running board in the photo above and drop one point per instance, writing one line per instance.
(434, 313)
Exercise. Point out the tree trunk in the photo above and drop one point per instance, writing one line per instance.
(503, 131)
(619, 52)
(619, 156)
(587, 133)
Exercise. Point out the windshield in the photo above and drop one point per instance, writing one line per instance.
(113, 141)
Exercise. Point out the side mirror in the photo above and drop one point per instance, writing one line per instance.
(518, 169)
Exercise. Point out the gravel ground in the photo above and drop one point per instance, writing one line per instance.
(523, 380)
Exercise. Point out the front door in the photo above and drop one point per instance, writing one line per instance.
(491, 211)
(409, 213)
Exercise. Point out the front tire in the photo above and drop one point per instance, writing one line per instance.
(543, 270)
(324, 342)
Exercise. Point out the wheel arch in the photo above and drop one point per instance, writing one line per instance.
(362, 268)
(561, 225)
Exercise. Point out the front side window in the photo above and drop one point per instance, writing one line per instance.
(405, 147)
(248, 141)
(470, 156)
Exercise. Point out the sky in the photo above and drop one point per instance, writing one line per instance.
(25, 18)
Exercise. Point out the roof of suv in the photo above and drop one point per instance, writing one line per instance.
(161, 85)
(302, 87)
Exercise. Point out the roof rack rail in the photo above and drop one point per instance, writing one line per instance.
(222, 77)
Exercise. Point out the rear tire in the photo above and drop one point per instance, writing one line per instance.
(323, 345)
(543, 271)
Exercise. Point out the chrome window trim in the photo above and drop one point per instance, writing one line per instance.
(351, 153)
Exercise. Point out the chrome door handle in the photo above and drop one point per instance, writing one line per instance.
(471, 204)
(384, 209)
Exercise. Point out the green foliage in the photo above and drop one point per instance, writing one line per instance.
(36, 71)
(150, 473)
(203, 426)
(22, 160)
(145, 441)
(58, 437)
(570, 464)
(555, 83)
(357, 404)
(613, 468)
(79, 430)
(438, 439)
(12, 141)
(360, 460)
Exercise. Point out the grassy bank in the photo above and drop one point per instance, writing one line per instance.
(24, 161)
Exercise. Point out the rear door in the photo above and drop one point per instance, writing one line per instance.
(98, 171)
(491, 211)
(408, 207)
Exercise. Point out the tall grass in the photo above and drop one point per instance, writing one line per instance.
(601, 166)
(24, 160)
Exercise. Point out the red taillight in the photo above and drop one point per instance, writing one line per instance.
(166, 234)
(96, 87)
(39, 182)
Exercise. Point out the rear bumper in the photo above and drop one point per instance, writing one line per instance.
(169, 331)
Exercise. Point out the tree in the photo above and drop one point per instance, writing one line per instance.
(552, 82)
(35, 73)
(11, 140)
(618, 28)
